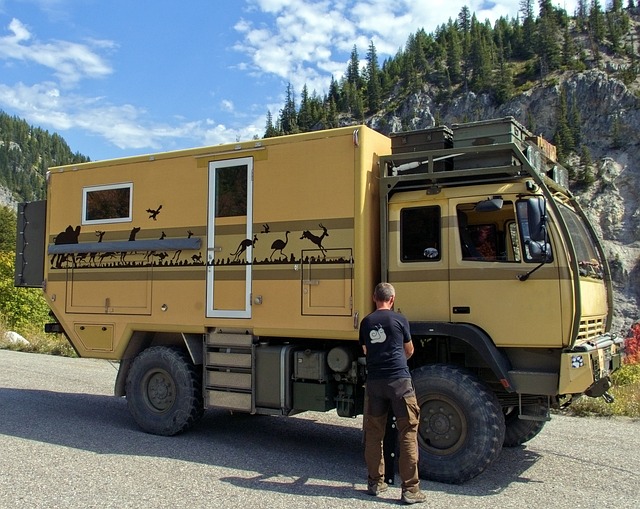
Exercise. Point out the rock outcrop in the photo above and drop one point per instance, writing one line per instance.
(613, 201)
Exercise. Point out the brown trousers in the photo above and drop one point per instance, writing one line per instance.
(399, 396)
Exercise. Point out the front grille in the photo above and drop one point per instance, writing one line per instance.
(590, 329)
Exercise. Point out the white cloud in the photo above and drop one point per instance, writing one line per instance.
(227, 105)
(125, 126)
(69, 62)
(308, 41)
(296, 41)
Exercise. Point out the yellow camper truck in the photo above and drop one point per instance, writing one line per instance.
(235, 277)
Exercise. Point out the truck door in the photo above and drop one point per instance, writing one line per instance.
(485, 261)
(230, 238)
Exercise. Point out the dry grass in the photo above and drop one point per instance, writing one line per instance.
(625, 390)
(39, 342)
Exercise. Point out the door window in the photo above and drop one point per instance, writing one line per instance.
(488, 236)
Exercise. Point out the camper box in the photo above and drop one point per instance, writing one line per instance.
(278, 237)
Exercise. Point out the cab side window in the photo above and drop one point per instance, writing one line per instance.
(420, 234)
(488, 235)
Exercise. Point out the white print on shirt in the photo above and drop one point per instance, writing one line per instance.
(378, 335)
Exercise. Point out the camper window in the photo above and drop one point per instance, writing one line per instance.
(107, 204)
(420, 234)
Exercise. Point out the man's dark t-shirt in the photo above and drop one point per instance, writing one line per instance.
(384, 333)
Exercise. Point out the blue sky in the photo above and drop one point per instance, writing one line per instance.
(127, 77)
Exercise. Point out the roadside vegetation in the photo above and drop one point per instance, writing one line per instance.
(625, 390)
(23, 311)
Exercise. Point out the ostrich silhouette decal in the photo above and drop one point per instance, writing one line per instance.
(243, 247)
(279, 245)
(315, 239)
(153, 213)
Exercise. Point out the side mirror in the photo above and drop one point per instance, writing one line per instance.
(539, 251)
(537, 217)
(534, 229)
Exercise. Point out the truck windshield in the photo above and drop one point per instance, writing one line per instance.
(589, 260)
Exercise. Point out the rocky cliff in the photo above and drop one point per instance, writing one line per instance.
(606, 106)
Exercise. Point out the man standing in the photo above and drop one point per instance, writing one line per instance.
(386, 342)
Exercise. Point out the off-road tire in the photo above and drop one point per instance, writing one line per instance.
(518, 431)
(461, 427)
(164, 391)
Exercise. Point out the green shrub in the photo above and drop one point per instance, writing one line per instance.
(23, 310)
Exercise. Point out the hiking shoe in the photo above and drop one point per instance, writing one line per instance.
(374, 489)
(413, 497)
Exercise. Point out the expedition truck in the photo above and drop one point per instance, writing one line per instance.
(235, 277)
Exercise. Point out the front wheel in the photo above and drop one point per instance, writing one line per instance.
(461, 427)
(164, 391)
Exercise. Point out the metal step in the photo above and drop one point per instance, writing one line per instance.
(229, 372)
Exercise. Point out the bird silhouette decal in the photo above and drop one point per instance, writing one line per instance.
(153, 213)
(279, 245)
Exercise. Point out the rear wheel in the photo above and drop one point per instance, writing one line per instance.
(461, 427)
(164, 391)
(518, 431)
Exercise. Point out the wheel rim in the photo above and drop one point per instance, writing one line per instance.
(159, 390)
(443, 427)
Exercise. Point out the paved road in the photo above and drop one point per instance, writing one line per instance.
(65, 441)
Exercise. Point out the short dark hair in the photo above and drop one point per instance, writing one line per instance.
(384, 292)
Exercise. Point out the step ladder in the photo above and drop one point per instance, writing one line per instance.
(229, 374)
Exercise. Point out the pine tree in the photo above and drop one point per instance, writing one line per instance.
(374, 88)
(353, 68)
(269, 130)
(305, 118)
(563, 137)
(569, 56)
(547, 44)
(288, 115)
(504, 82)
(616, 132)
(480, 58)
(582, 15)
(586, 175)
(597, 28)
(331, 116)
(528, 28)
(454, 56)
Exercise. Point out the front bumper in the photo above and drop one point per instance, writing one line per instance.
(586, 368)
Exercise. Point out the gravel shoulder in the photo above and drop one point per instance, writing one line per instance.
(66, 441)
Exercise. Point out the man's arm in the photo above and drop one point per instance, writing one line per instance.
(408, 349)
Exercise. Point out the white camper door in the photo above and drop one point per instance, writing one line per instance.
(230, 238)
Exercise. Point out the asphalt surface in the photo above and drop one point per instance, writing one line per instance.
(65, 441)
